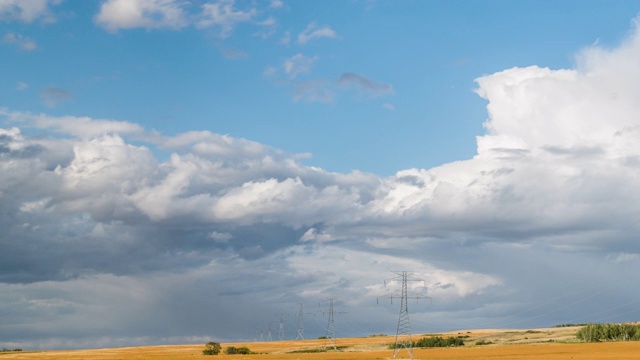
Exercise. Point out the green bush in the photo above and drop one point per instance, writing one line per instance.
(308, 351)
(211, 348)
(569, 325)
(435, 341)
(483, 342)
(232, 350)
(438, 341)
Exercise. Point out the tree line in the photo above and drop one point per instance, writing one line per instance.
(609, 332)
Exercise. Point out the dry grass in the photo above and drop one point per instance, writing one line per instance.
(552, 344)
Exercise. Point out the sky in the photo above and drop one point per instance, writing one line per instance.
(177, 171)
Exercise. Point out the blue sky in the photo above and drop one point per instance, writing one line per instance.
(161, 157)
(428, 53)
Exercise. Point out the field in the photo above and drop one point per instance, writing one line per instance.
(551, 343)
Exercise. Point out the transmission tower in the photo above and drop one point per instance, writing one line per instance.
(403, 332)
(300, 331)
(281, 327)
(269, 333)
(331, 330)
(330, 338)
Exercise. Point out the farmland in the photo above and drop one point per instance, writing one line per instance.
(547, 343)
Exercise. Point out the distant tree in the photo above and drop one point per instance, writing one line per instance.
(211, 348)
(438, 341)
(232, 350)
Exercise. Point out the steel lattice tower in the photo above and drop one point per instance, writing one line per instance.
(403, 332)
(269, 333)
(331, 330)
(281, 329)
(300, 331)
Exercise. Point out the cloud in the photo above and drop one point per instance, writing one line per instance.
(286, 38)
(223, 15)
(232, 53)
(316, 90)
(81, 127)
(323, 90)
(110, 242)
(115, 15)
(23, 43)
(312, 31)
(52, 96)
(27, 11)
(21, 86)
(365, 84)
(298, 64)
(276, 4)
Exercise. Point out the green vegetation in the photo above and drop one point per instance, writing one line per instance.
(315, 350)
(232, 350)
(483, 342)
(211, 348)
(438, 341)
(609, 332)
(570, 325)
(8, 350)
(435, 341)
(308, 351)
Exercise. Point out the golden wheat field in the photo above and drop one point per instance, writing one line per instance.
(551, 343)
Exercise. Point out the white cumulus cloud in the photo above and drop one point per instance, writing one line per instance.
(223, 15)
(27, 11)
(148, 14)
(23, 43)
(312, 31)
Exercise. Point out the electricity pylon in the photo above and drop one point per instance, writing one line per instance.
(281, 328)
(403, 332)
(331, 330)
(269, 333)
(300, 331)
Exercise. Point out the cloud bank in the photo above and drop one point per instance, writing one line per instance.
(102, 234)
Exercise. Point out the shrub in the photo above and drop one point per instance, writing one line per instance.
(232, 350)
(438, 341)
(435, 341)
(484, 342)
(211, 348)
(570, 325)
(308, 351)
